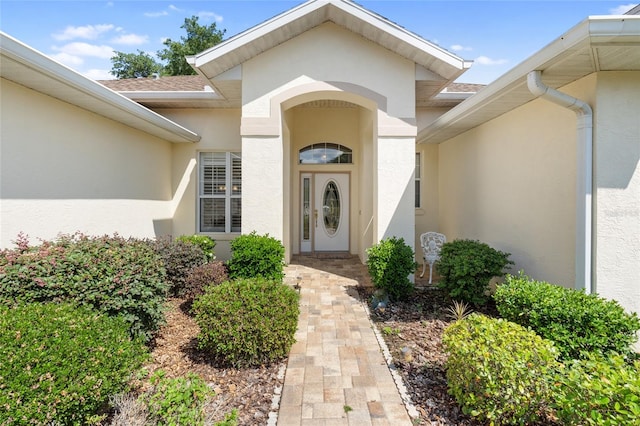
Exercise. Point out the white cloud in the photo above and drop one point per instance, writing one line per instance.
(484, 60)
(622, 9)
(98, 74)
(109, 4)
(156, 14)
(86, 49)
(459, 47)
(67, 59)
(210, 15)
(175, 9)
(131, 39)
(89, 32)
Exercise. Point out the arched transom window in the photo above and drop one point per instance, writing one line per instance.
(325, 153)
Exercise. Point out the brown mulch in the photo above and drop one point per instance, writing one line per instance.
(418, 324)
(249, 390)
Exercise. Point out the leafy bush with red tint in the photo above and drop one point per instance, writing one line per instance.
(212, 273)
(118, 276)
(179, 257)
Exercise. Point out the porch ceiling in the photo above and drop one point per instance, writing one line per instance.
(599, 43)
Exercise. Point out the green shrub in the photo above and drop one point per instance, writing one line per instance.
(115, 275)
(598, 391)
(467, 267)
(207, 244)
(212, 273)
(574, 321)
(178, 257)
(390, 262)
(179, 401)
(255, 255)
(498, 370)
(60, 363)
(247, 322)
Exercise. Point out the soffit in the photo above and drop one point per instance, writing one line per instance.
(610, 43)
(238, 49)
(31, 69)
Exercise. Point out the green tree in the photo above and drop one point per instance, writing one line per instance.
(199, 38)
(133, 65)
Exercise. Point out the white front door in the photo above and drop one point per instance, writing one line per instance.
(325, 212)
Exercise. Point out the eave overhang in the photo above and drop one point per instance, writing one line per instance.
(30, 68)
(599, 43)
(248, 44)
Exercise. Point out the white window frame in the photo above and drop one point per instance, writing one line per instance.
(229, 191)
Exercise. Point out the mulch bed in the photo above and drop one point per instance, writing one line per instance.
(249, 390)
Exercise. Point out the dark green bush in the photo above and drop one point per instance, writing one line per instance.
(498, 370)
(574, 321)
(115, 275)
(207, 244)
(212, 273)
(467, 267)
(598, 391)
(255, 255)
(390, 262)
(247, 322)
(178, 258)
(59, 362)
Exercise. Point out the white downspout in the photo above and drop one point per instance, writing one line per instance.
(584, 184)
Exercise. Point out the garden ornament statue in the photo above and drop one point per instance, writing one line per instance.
(431, 243)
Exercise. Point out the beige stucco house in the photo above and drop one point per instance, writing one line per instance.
(330, 128)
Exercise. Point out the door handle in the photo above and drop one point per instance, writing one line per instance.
(315, 216)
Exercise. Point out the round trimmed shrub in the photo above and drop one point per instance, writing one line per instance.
(254, 255)
(576, 322)
(390, 262)
(212, 273)
(497, 370)
(60, 363)
(466, 267)
(247, 322)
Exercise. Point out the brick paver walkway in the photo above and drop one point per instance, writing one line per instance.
(336, 373)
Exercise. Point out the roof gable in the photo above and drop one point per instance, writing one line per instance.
(248, 44)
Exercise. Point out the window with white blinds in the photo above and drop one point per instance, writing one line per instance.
(220, 192)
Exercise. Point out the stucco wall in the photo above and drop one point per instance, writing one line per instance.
(311, 56)
(427, 213)
(220, 131)
(511, 183)
(617, 193)
(63, 169)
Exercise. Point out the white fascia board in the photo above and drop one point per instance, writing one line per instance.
(254, 33)
(403, 34)
(507, 81)
(592, 31)
(352, 10)
(42, 64)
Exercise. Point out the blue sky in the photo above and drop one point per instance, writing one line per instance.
(83, 34)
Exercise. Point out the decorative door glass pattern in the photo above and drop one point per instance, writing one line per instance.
(331, 208)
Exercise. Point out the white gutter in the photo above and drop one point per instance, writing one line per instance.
(584, 184)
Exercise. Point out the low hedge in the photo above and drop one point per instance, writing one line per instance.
(497, 370)
(60, 363)
(118, 276)
(576, 322)
(598, 391)
(247, 322)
